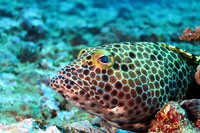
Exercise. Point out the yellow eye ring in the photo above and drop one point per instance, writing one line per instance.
(103, 59)
(81, 52)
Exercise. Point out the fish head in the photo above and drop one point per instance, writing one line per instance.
(107, 81)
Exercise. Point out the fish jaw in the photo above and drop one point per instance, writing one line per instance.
(73, 93)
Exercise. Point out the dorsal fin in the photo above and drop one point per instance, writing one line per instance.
(182, 52)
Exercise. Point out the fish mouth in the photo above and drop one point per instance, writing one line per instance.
(67, 82)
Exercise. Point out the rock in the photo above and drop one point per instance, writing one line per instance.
(85, 126)
(27, 126)
(103, 125)
(63, 115)
(52, 129)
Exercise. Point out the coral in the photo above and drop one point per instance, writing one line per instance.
(189, 34)
(172, 118)
(198, 123)
(197, 75)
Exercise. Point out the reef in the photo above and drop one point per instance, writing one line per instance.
(172, 118)
(190, 35)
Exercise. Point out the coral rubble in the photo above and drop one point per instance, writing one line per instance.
(172, 118)
(189, 34)
(27, 126)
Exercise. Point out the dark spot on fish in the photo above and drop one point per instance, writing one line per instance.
(100, 91)
(106, 97)
(75, 98)
(131, 103)
(93, 105)
(105, 78)
(116, 66)
(118, 85)
(132, 55)
(116, 45)
(120, 95)
(108, 88)
(88, 57)
(111, 113)
(86, 72)
(114, 101)
(124, 67)
(130, 112)
(153, 58)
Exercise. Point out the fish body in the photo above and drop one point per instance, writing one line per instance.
(125, 84)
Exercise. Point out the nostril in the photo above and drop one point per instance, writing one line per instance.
(57, 86)
(84, 66)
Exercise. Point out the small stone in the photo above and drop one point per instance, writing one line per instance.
(85, 126)
(52, 129)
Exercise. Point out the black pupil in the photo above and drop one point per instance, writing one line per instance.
(104, 59)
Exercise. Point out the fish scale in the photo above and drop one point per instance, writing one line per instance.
(126, 83)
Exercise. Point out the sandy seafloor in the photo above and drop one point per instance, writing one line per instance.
(37, 38)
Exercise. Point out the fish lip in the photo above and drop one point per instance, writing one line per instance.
(75, 81)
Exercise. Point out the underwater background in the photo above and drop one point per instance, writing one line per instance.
(38, 37)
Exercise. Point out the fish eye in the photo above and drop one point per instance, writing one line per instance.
(103, 59)
(81, 52)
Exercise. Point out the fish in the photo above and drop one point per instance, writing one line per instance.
(126, 83)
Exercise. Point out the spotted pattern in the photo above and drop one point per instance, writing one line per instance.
(142, 79)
